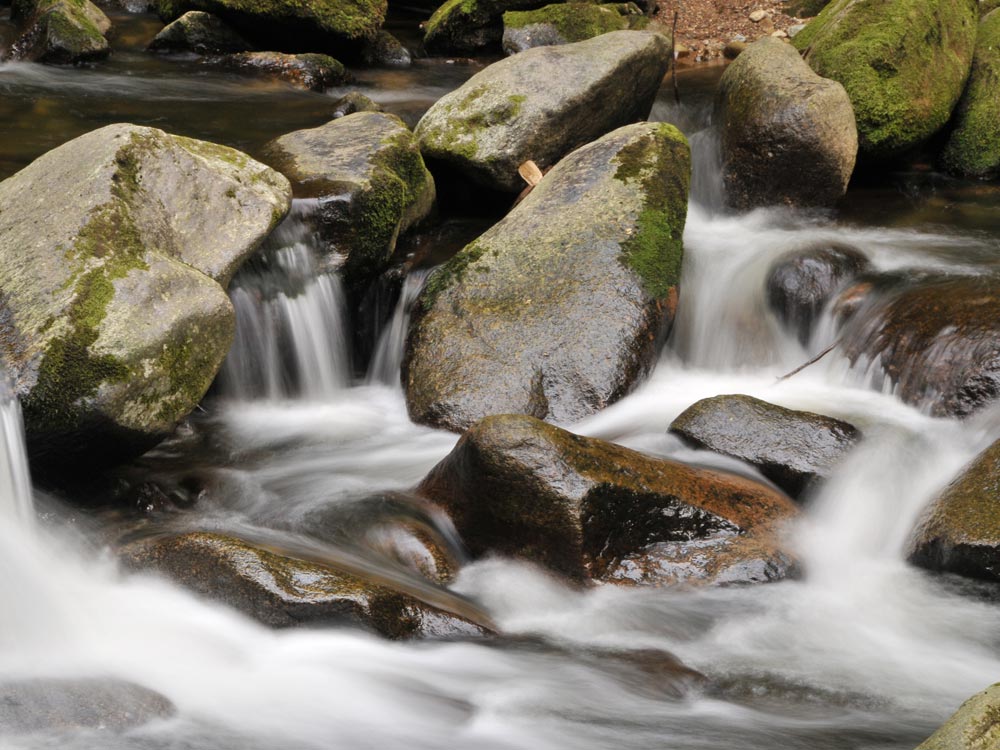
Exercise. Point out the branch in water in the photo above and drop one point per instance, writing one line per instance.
(812, 361)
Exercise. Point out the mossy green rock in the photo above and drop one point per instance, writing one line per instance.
(960, 531)
(469, 26)
(308, 71)
(586, 508)
(988, 6)
(556, 311)
(60, 31)
(367, 173)
(199, 32)
(792, 448)
(904, 64)
(114, 252)
(543, 103)
(973, 148)
(565, 23)
(788, 136)
(282, 591)
(975, 726)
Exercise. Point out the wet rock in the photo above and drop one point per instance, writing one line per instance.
(776, 115)
(367, 173)
(41, 705)
(935, 341)
(543, 103)
(307, 71)
(801, 283)
(386, 51)
(282, 591)
(565, 23)
(351, 102)
(975, 726)
(470, 26)
(556, 311)
(60, 31)
(793, 449)
(589, 509)
(973, 148)
(904, 65)
(199, 32)
(115, 249)
(960, 530)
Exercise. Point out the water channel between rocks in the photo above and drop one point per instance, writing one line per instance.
(862, 652)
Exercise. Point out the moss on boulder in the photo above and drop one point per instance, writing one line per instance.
(904, 64)
(565, 23)
(973, 148)
(60, 31)
(557, 310)
(199, 32)
(975, 726)
(470, 26)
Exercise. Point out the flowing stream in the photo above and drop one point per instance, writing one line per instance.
(864, 652)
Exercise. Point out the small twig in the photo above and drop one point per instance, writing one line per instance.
(812, 361)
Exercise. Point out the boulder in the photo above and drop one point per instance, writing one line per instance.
(366, 171)
(788, 136)
(565, 23)
(386, 51)
(543, 103)
(973, 148)
(307, 71)
(351, 102)
(975, 726)
(557, 310)
(588, 509)
(333, 26)
(199, 32)
(60, 31)
(470, 26)
(936, 341)
(904, 65)
(793, 449)
(281, 591)
(801, 283)
(115, 249)
(960, 530)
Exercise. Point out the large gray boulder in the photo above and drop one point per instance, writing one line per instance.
(543, 103)
(556, 311)
(115, 249)
(564, 23)
(588, 509)
(60, 31)
(788, 136)
(904, 65)
(367, 173)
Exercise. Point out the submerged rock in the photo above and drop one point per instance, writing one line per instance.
(793, 449)
(973, 148)
(589, 509)
(565, 23)
(557, 310)
(788, 136)
(975, 726)
(307, 71)
(801, 283)
(543, 103)
(960, 530)
(904, 65)
(366, 171)
(114, 252)
(469, 26)
(60, 31)
(199, 32)
(283, 591)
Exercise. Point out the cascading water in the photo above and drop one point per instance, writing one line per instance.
(392, 341)
(16, 507)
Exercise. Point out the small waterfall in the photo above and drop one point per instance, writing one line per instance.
(291, 336)
(15, 480)
(388, 357)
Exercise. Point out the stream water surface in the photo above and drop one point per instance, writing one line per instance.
(863, 652)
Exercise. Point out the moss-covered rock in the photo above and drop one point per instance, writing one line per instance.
(282, 591)
(788, 136)
(543, 103)
(114, 250)
(973, 148)
(960, 530)
(371, 182)
(988, 6)
(589, 509)
(307, 71)
(556, 311)
(565, 23)
(975, 726)
(793, 449)
(386, 51)
(351, 102)
(904, 64)
(60, 32)
(199, 32)
(470, 26)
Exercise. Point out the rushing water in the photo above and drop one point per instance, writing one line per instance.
(863, 652)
